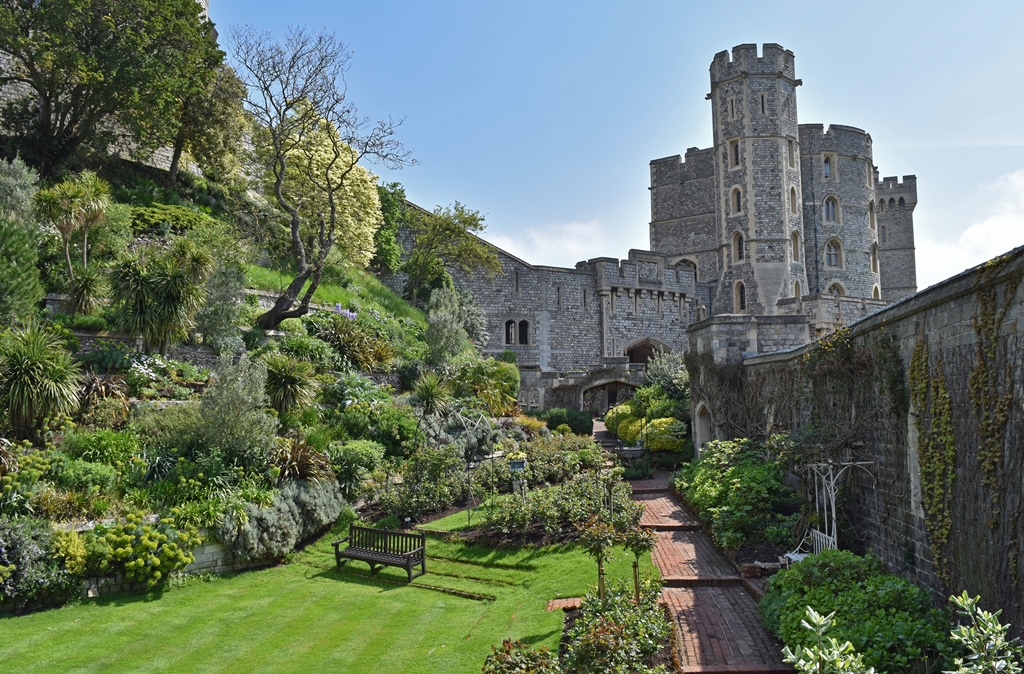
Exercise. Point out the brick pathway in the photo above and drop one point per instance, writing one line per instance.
(715, 617)
(662, 513)
(720, 631)
(564, 604)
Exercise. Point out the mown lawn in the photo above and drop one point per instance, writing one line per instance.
(308, 616)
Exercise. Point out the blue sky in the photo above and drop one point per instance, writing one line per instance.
(544, 116)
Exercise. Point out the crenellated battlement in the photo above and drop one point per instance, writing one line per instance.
(774, 60)
(892, 184)
(673, 170)
(839, 138)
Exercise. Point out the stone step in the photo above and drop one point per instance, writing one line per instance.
(701, 581)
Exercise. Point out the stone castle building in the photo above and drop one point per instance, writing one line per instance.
(778, 232)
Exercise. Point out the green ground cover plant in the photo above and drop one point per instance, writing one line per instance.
(887, 619)
(312, 616)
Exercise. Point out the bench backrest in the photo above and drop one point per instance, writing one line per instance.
(384, 540)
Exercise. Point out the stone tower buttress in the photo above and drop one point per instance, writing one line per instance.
(758, 178)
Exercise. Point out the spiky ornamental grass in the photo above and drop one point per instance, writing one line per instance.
(38, 378)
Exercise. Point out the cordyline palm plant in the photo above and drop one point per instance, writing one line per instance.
(291, 383)
(73, 206)
(157, 294)
(38, 378)
(432, 396)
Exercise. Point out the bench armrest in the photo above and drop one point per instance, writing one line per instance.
(418, 550)
(337, 543)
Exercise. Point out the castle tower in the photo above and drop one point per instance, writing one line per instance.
(840, 218)
(758, 179)
(894, 206)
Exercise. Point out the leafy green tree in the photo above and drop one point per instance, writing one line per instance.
(308, 142)
(446, 238)
(236, 423)
(38, 378)
(387, 256)
(225, 299)
(211, 125)
(96, 69)
(826, 656)
(445, 336)
(20, 288)
(18, 187)
(157, 294)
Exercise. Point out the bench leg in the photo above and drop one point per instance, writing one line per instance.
(408, 570)
(374, 568)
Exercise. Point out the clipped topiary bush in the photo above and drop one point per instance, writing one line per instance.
(299, 510)
(631, 430)
(618, 414)
(666, 435)
(579, 421)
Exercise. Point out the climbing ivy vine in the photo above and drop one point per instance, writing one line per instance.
(936, 449)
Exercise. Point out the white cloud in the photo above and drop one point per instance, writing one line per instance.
(1000, 231)
(563, 244)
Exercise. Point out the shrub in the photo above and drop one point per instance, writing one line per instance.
(665, 435)
(618, 414)
(310, 349)
(291, 383)
(433, 478)
(142, 552)
(165, 218)
(493, 382)
(296, 459)
(352, 461)
(615, 634)
(82, 475)
(357, 343)
(38, 378)
(739, 491)
(631, 430)
(108, 357)
(579, 421)
(515, 657)
(69, 546)
(888, 620)
(30, 573)
(172, 430)
(102, 446)
(20, 287)
(234, 419)
(299, 510)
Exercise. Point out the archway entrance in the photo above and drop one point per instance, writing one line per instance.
(702, 431)
(642, 351)
(604, 396)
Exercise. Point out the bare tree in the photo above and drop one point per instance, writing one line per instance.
(296, 92)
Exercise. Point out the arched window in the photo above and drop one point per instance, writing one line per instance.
(734, 153)
(892, 203)
(510, 332)
(876, 293)
(874, 257)
(881, 205)
(833, 254)
(524, 332)
(741, 297)
(884, 234)
(796, 246)
(792, 200)
(831, 210)
(792, 153)
(903, 204)
(736, 201)
(871, 214)
(796, 290)
(827, 167)
(737, 247)
(836, 289)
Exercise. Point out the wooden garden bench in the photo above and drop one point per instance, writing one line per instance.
(382, 547)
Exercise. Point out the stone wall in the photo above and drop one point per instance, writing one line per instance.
(968, 332)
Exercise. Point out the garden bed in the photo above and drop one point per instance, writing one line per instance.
(665, 656)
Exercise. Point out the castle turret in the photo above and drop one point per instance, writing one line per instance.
(840, 219)
(757, 172)
(894, 207)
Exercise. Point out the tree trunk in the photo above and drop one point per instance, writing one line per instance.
(85, 248)
(282, 308)
(636, 580)
(67, 258)
(179, 146)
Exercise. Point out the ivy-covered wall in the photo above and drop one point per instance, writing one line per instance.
(931, 392)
